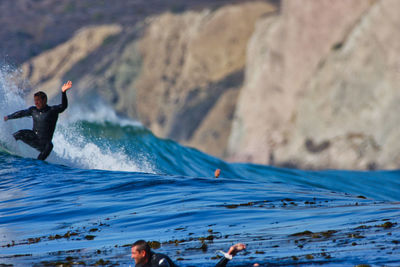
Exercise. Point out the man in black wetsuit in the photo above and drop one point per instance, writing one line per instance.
(144, 257)
(44, 122)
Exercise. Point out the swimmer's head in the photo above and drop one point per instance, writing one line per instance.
(140, 252)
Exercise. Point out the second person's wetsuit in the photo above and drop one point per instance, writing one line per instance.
(44, 124)
(158, 260)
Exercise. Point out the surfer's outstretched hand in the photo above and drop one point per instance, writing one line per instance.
(66, 86)
(5, 118)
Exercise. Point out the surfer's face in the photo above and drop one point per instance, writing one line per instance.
(138, 256)
(39, 102)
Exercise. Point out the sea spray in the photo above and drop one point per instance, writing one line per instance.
(11, 100)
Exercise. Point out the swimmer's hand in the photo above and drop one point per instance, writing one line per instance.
(233, 250)
(236, 248)
(5, 118)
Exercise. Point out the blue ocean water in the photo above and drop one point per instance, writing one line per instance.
(109, 182)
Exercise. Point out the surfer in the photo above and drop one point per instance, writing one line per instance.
(144, 257)
(44, 122)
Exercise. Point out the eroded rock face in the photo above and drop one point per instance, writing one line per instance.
(212, 135)
(285, 57)
(189, 62)
(351, 102)
(47, 70)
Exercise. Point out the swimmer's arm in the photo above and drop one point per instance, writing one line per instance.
(233, 250)
(222, 263)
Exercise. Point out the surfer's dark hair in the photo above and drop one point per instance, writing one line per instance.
(142, 245)
(41, 94)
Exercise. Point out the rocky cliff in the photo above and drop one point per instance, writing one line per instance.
(307, 83)
(192, 71)
(321, 86)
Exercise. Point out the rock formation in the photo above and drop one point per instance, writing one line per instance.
(189, 66)
(47, 70)
(320, 87)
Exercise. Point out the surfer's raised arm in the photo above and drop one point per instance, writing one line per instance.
(64, 101)
(66, 86)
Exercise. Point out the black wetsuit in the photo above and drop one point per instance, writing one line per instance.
(44, 124)
(161, 260)
(223, 262)
(158, 260)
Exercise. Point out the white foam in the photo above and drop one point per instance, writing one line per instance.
(84, 153)
(78, 152)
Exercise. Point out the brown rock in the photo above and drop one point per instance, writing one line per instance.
(188, 65)
(351, 101)
(283, 56)
(213, 133)
(47, 70)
